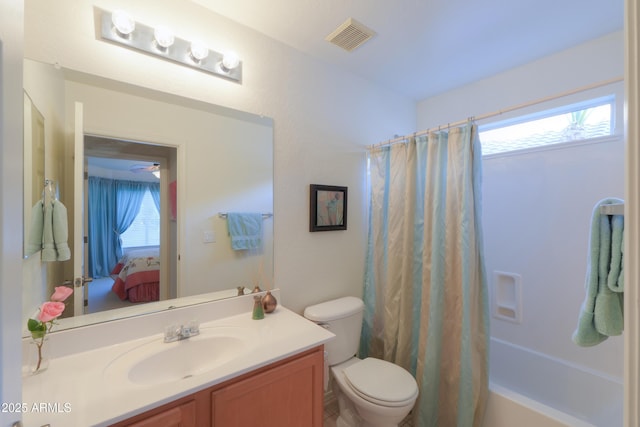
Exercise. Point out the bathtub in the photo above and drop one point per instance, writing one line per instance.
(531, 389)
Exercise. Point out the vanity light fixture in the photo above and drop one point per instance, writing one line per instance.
(198, 51)
(230, 60)
(164, 38)
(120, 28)
(123, 23)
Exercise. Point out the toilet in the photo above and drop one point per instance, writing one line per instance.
(370, 392)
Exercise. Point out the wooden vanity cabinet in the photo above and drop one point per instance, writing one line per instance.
(288, 393)
(189, 411)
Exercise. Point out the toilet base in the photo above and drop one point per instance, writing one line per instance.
(349, 415)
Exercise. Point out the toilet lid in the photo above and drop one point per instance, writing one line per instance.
(381, 382)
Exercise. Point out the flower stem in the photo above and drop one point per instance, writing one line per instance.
(39, 343)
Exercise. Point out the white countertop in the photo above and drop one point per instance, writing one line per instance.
(74, 390)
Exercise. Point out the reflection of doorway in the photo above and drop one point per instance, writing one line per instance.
(114, 160)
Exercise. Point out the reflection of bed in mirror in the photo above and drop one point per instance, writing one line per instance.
(137, 275)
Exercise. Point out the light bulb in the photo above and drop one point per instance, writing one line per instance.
(198, 50)
(230, 61)
(123, 22)
(164, 37)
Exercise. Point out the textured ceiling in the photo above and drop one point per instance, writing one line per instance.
(425, 47)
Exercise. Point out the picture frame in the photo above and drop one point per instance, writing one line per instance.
(328, 208)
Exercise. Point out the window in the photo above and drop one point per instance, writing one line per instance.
(571, 123)
(145, 229)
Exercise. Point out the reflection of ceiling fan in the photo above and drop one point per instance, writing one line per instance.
(154, 167)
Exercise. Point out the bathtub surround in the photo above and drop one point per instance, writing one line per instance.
(425, 281)
(601, 311)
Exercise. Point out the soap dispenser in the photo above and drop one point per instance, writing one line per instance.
(258, 311)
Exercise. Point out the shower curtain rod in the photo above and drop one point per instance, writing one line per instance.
(497, 113)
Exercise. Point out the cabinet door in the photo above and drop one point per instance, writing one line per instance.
(289, 395)
(178, 416)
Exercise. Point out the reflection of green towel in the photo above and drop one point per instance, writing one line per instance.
(48, 245)
(55, 232)
(60, 231)
(34, 242)
(601, 311)
(245, 230)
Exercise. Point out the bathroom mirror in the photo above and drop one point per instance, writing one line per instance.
(219, 160)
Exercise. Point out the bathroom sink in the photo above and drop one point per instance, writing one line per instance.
(156, 362)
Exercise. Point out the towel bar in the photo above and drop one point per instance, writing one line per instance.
(264, 215)
(612, 209)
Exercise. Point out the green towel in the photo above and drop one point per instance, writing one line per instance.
(60, 231)
(615, 280)
(245, 230)
(55, 233)
(601, 312)
(34, 243)
(608, 311)
(49, 253)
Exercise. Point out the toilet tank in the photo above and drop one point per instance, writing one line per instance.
(343, 317)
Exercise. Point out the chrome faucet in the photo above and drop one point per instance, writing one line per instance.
(181, 332)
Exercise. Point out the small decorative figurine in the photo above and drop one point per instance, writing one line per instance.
(269, 302)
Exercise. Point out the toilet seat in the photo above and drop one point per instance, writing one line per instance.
(380, 382)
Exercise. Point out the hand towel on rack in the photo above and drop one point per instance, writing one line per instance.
(615, 280)
(34, 241)
(55, 233)
(49, 253)
(601, 312)
(245, 230)
(60, 231)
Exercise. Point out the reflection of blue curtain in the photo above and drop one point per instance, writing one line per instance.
(154, 189)
(425, 284)
(101, 222)
(129, 196)
(113, 205)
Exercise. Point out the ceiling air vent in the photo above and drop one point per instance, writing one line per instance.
(350, 35)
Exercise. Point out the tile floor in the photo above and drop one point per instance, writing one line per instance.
(331, 413)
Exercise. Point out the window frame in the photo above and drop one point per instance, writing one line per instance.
(612, 98)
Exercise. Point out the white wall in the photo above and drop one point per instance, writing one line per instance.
(322, 119)
(537, 204)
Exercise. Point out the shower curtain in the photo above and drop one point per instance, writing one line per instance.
(425, 291)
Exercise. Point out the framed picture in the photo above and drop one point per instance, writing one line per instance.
(328, 208)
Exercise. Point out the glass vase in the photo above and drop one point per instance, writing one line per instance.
(38, 357)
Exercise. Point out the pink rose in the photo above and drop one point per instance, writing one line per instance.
(50, 310)
(61, 293)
